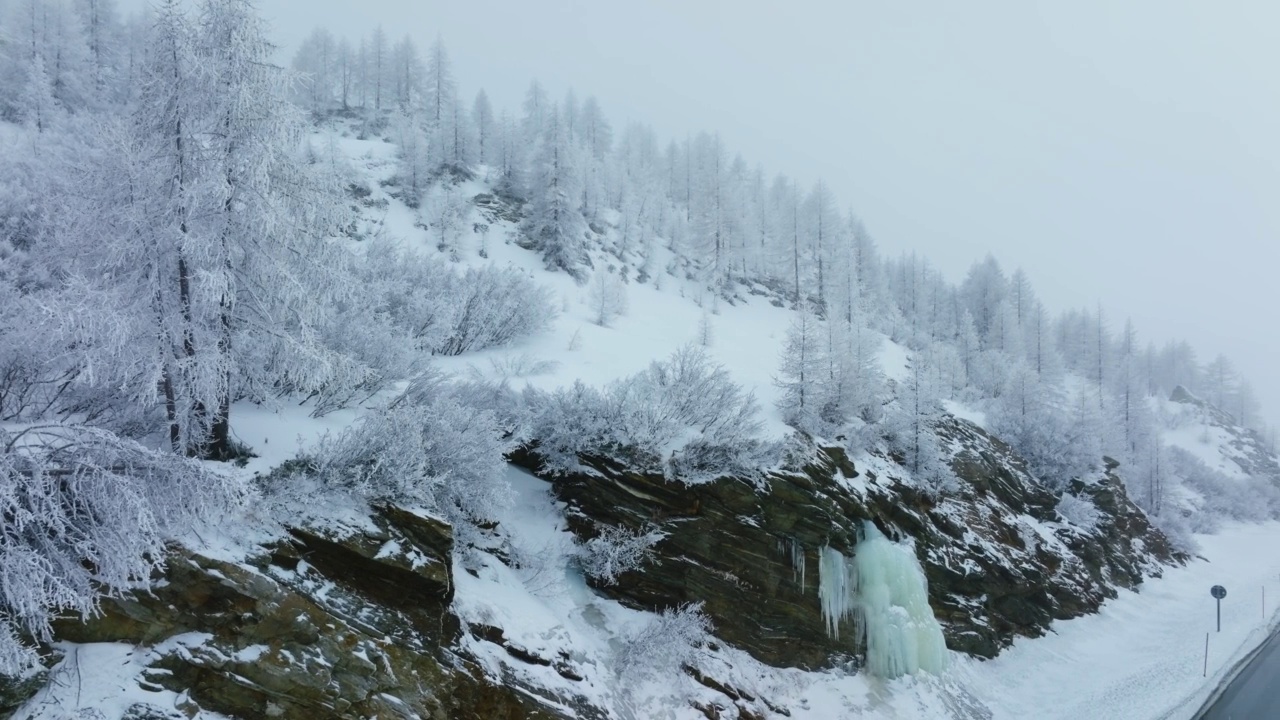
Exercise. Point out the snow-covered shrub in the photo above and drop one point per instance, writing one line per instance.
(567, 422)
(1177, 528)
(616, 550)
(369, 353)
(354, 351)
(672, 639)
(683, 416)
(448, 313)
(496, 306)
(427, 448)
(414, 290)
(521, 366)
(86, 513)
(1078, 511)
(507, 405)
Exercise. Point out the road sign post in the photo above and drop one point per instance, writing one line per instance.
(1218, 592)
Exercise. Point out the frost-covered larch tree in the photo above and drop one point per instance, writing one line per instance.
(607, 298)
(207, 233)
(803, 376)
(485, 129)
(913, 421)
(441, 102)
(555, 226)
(37, 106)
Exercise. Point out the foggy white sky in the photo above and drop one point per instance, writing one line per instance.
(1122, 152)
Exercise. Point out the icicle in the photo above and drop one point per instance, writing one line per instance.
(884, 588)
(797, 561)
(833, 588)
(892, 600)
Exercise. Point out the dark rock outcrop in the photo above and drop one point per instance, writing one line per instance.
(999, 560)
(1248, 449)
(329, 624)
(356, 621)
(14, 691)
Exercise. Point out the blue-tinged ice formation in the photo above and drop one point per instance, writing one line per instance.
(833, 588)
(883, 588)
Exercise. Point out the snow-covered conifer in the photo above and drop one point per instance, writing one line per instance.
(554, 225)
(607, 298)
(486, 129)
(802, 375)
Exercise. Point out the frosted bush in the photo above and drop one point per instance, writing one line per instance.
(359, 353)
(450, 313)
(672, 639)
(87, 513)
(616, 550)
(495, 307)
(1178, 529)
(1250, 498)
(368, 356)
(684, 417)
(521, 366)
(413, 290)
(428, 448)
(1078, 511)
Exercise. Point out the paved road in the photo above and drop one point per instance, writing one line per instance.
(1255, 692)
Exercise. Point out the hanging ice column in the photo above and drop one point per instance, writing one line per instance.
(883, 587)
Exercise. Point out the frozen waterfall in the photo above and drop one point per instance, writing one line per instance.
(884, 589)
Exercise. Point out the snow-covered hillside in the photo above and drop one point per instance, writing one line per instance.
(420, 412)
(524, 584)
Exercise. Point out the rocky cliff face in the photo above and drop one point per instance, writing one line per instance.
(357, 622)
(1000, 561)
(328, 624)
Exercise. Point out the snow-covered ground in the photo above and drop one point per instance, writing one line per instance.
(103, 680)
(1143, 655)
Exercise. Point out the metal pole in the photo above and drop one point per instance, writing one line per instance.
(1219, 616)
